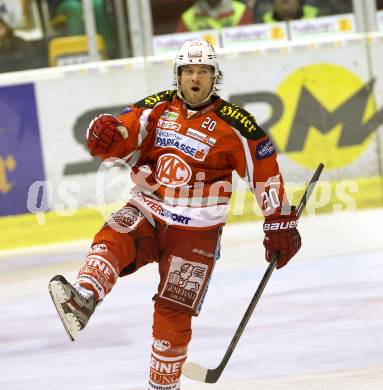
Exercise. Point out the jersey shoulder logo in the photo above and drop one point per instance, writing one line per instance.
(240, 119)
(152, 100)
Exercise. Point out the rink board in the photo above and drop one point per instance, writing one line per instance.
(319, 102)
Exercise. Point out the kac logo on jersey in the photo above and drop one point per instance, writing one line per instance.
(264, 149)
(172, 171)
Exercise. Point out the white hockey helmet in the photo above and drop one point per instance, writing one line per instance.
(196, 52)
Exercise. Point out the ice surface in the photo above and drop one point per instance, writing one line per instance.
(318, 326)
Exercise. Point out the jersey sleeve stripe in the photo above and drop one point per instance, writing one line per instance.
(249, 160)
(143, 123)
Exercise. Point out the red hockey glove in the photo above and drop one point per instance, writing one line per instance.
(105, 136)
(281, 235)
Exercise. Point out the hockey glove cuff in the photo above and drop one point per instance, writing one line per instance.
(282, 236)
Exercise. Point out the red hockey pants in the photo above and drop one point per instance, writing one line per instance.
(186, 259)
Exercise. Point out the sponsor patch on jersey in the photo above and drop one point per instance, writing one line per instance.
(241, 120)
(168, 125)
(172, 171)
(201, 137)
(170, 115)
(126, 110)
(187, 145)
(264, 149)
(125, 219)
(152, 100)
(163, 212)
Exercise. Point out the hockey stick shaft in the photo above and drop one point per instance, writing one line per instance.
(197, 372)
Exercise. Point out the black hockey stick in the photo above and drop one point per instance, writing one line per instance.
(202, 374)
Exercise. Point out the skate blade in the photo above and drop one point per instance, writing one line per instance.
(59, 295)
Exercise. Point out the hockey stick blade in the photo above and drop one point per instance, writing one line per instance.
(199, 373)
(195, 371)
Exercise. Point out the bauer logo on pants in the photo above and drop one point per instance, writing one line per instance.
(185, 281)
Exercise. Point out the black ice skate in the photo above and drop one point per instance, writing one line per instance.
(73, 308)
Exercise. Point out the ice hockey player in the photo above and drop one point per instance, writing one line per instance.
(186, 143)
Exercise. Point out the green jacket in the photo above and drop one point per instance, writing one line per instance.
(195, 22)
(309, 12)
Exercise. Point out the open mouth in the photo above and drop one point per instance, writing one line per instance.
(195, 89)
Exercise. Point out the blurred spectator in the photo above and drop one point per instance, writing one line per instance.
(214, 14)
(379, 4)
(166, 14)
(15, 53)
(68, 20)
(250, 3)
(285, 10)
(333, 7)
(16, 13)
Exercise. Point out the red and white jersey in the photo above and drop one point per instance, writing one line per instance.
(186, 160)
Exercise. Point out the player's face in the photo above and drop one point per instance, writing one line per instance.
(287, 9)
(196, 82)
